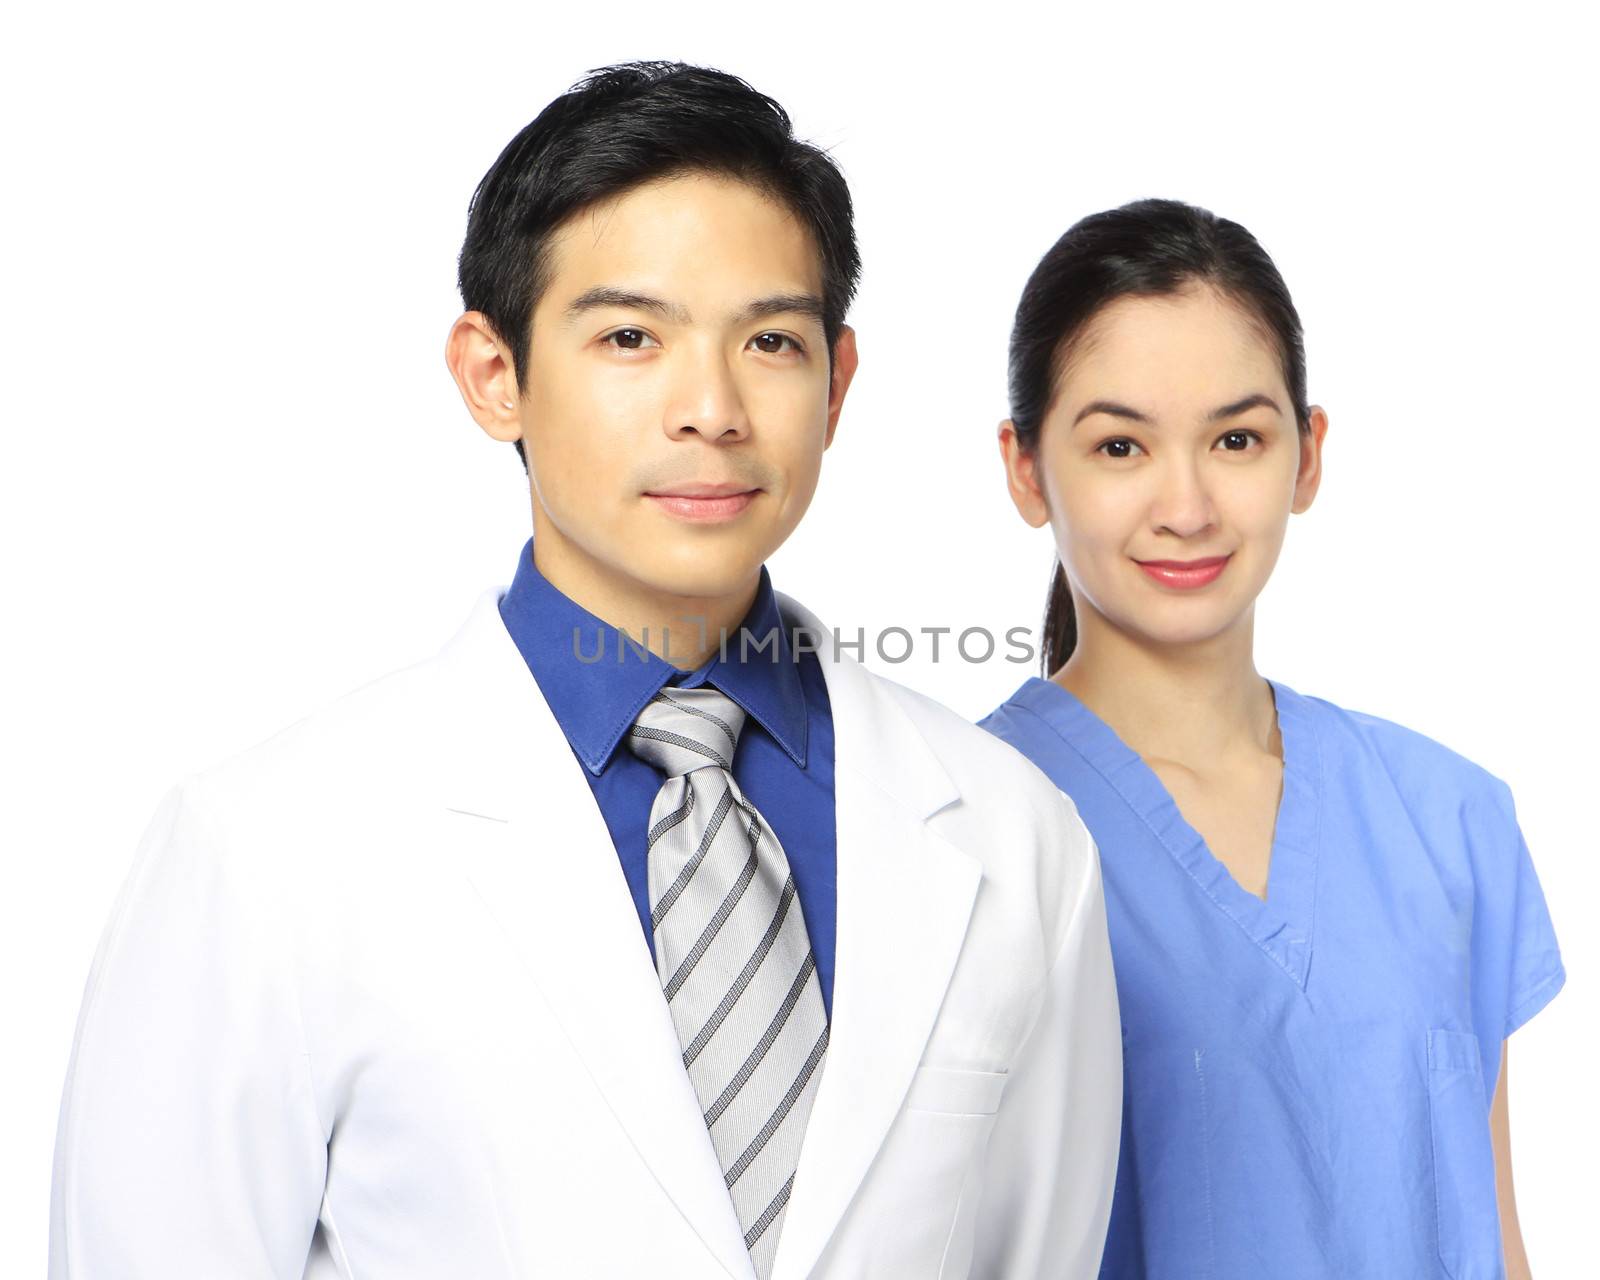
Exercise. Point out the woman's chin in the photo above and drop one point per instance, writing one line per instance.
(1192, 628)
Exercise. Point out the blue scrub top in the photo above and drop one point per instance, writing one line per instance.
(1307, 1079)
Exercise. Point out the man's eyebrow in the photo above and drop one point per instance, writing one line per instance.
(777, 304)
(606, 296)
(1239, 406)
(1113, 408)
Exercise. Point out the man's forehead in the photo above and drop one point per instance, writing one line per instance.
(695, 233)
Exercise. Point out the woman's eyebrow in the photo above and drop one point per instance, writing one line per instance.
(1118, 410)
(1239, 406)
(1113, 408)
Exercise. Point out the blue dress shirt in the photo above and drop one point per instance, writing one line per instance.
(784, 761)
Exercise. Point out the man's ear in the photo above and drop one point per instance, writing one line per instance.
(482, 369)
(845, 359)
(1308, 478)
(1022, 477)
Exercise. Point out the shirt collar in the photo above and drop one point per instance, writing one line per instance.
(595, 699)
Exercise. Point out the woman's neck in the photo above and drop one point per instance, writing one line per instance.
(1195, 704)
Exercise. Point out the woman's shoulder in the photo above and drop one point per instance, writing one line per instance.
(1411, 757)
(1060, 736)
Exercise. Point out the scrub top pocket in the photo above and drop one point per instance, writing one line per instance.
(1463, 1158)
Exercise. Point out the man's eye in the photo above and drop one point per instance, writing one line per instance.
(629, 339)
(1118, 448)
(773, 343)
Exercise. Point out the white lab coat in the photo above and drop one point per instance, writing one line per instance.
(374, 1003)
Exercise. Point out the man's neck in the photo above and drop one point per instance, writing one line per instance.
(685, 630)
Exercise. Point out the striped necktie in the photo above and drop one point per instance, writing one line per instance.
(735, 962)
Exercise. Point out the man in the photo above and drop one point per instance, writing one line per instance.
(641, 931)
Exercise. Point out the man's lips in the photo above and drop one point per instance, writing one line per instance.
(1185, 574)
(703, 502)
(701, 489)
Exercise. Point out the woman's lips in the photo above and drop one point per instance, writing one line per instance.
(1185, 574)
(704, 508)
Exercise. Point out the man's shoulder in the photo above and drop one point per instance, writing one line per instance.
(990, 773)
(377, 736)
(997, 771)
(1010, 816)
(354, 742)
(1039, 861)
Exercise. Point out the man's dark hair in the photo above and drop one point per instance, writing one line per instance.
(617, 128)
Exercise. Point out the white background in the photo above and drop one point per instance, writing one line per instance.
(238, 481)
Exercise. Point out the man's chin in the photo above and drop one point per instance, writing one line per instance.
(700, 574)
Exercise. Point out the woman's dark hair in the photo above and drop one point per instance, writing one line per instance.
(622, 126)
(1148, 248)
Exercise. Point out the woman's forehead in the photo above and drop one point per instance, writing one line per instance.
(1174, 348)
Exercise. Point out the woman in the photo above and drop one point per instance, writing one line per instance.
(1324, 925)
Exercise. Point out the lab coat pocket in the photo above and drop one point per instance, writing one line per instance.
(921, 1197)
(955, 1092)
(1463, 1158)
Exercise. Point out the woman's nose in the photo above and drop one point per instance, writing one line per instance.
(1183, 505)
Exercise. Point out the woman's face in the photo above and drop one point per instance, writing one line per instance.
(1168, 466)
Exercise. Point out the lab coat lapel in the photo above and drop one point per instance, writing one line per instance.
(905, 897)
(536, 848)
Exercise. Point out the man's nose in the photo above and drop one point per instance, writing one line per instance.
(705, 399)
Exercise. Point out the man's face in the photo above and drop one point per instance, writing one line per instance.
(678, 397)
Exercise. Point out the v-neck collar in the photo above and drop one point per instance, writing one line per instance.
(1282, 924)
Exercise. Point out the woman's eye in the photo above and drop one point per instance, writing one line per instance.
(1118, 448)
(629, 339)
(1238, 441)
(773, 343)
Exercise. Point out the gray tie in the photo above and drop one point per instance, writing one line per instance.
(736, 965)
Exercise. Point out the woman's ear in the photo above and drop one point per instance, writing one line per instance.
(1309, 477)
(1022, 477)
